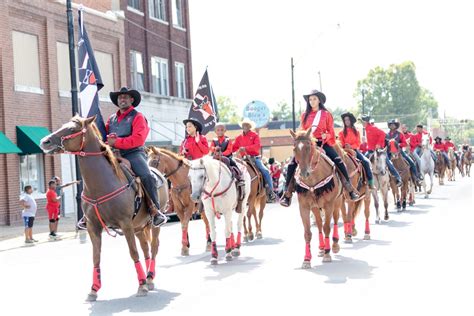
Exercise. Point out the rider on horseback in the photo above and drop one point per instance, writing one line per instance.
(442, 148)
(350, 138)
(127, 131)
(416, 141)
(320, 120)
(194, 146)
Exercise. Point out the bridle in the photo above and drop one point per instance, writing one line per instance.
(80, 152)
(156, 164)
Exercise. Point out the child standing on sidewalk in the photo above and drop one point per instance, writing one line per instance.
(52, 206)
(29, 212)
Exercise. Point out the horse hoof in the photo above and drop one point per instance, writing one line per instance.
(250, 236)
(306, 265)
(327, 258)
(377, 221)
(348, 240)
(214, 261)
(236, 252)
(367, 237)
(150, 285)
(208, 247)
(386, 217)
(185, 251)
(246, 239)
(335, 248)
(228, 256)
(354, 232)
(321, 253)
(259, 235)
(142, 290)
(91, 297)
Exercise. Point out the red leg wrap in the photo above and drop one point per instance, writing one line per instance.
(327, 245)
(307, 256)
(228, 245)
(214, 250)
(367, 226)
(96, 283)
(239, 240)
(335, 234)
(321, 241)
(140, 273)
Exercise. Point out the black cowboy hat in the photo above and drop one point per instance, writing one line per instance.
(447, 138)
(195, 123)
(137, 97)
(437, 137)
(319, 94)
(365, 118)
(350, 116)
(393, 121)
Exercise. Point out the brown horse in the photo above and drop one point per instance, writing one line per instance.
(108, 198)
(452, 165)
(318, 187)
(440, 166)
(403, 168)
(359, 181)
(176, 169)
(466, 163)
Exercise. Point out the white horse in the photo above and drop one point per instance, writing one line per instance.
(427, 163)
(212, 182)
(382, 181)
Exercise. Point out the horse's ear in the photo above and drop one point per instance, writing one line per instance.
(90, 120)
(293, 135)
(308, 133)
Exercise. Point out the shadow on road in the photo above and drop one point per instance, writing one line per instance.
(359, 244)
(340, 271)
(230, 268)
(155, 301)
(396, 224)
(266, 241)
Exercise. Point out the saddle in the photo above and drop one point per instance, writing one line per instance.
(359, 169)
(236, 174)
(261, 180)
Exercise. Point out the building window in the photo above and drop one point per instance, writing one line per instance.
(159, 75)
(32, 172)
(178, 13)
(134, 4)
(136, 69)
(106, 69)
(26, 61)
(180, 80)
(158, 9)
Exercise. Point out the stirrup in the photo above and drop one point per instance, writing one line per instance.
(82, 224)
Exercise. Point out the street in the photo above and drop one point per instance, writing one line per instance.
(420, 261)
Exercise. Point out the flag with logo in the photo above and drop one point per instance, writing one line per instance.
(204, 107)
(90, 81)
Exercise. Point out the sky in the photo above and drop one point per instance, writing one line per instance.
(247, 46)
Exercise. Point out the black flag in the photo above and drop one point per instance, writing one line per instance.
(204, 107)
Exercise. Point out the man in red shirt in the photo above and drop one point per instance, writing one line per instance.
(418, 138)
(127, 131)
(52, 207)
(248, 144)
(449, 144)
(439, 145)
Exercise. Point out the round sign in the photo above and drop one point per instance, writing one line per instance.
(258, 112)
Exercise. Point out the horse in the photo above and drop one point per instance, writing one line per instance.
(318, 187)
(176, 169)
(212, 182)
(108, 199)
(381, 181)
(452, 165)
(440, 166)
(403, 168)
(359, 181)
(427, 164)
(466, 163)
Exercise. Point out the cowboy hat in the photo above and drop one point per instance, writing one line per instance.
(437, 137)
(350, 116)
(247, 121)
(364, 118)
(194, 122)
(447, 138)
(319, 94)
(395, 122)
(124, 90)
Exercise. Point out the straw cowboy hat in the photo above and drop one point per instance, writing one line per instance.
(319, 94)
(350, 116)
(247, 121)
(137, 97)
(194, 122)
(364, 118)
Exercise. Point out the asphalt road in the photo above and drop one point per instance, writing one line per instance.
(420, 261)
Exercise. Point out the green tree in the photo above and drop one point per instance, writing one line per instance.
(227, 110)
(282, 112)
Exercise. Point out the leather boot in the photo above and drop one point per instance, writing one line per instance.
(350, 189)
(286, 199)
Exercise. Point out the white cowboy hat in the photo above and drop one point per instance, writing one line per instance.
(248, 121)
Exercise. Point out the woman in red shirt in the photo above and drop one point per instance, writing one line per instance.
(318, 118)
(350, 138)
(439, 145)
(194, 146)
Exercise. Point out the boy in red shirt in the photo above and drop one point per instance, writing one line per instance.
(52, 206)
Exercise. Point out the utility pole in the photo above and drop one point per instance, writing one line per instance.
(74, 101)
(428, 123)
(293, 94)
(363, 109)
(320, 82)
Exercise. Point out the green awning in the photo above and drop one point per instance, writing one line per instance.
(7, 147)
(29, 138)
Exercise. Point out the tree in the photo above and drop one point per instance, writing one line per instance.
(227, 110)
(282, 112)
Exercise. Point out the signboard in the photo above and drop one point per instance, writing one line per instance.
(258, 112)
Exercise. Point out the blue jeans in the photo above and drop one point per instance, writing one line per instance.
(446, 159)
(418, 150)
(366, 163)
(410, 162)
(390, 166)
(264, 171)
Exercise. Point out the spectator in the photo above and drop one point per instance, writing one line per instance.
(275, 171)
(60, 191)
(52, 206)
(29, 212)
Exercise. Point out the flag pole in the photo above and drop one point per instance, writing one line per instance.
(74, 100)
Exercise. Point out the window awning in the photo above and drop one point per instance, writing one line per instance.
(29, 138)
(7, 147)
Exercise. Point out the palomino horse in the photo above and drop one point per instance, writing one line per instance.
(176, 169)
(452, 165)
(427, 164)
(403, 168)
(359, 181)
(212, 182)
(318, 187)
(466, 163)
(108, 199)
(381, 181)
(440, 166)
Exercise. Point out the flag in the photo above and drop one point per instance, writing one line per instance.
(204, 107)
(90, 81)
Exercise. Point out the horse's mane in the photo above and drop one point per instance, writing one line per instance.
(301, 135)
(170, 154)
(109, 155)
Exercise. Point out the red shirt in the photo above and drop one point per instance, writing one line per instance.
(448, 144)
(352, 139)
(51, 203)
(220, 140)
(402, 141)
(251, 142)
(140, 131)
(375, 136)
(440, 146)
(363, 148)
(326, 125)
(194, 150)
(416, 139)
(275, 171)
